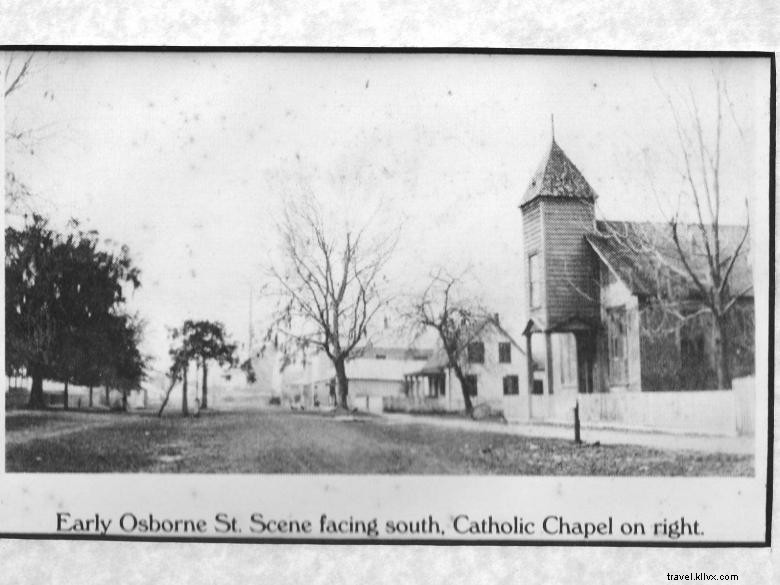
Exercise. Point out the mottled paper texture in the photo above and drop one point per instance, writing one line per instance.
(624, 25)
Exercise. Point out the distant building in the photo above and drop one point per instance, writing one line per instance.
(373, 373)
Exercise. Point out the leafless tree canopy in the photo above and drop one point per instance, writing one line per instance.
(329, 286)
(691, 266)
(703, 176)
(457, 320)
(19, 69)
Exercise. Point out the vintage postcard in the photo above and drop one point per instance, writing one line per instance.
(388, 296)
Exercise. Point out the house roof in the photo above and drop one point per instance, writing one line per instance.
(435, 364)
(393, 353)
(382, 369)
(635, 252)
(439, 360)
(557, 176)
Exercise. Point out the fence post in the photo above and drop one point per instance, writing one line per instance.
(577, 439)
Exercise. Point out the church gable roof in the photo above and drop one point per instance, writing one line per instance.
(636, 250)
(557, 176)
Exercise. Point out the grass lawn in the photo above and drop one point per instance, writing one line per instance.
(280, 441)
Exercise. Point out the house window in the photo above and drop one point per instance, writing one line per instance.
(535, 280)
(476, 352)
(511, 385)
(617, 338)
(471, 385)
(505, 353)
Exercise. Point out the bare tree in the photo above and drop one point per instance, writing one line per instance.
(15, 75)
(457, 321)
(18, 69)
(703, 176)
(328, 287)
(692, 264)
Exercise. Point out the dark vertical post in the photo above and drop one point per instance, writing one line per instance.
(577, 423)
(549, 363)
(530, 365)
(184, 408)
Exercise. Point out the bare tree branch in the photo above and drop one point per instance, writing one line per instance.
(15, 80)
(457, 321)
(693, 264)
(330, 288)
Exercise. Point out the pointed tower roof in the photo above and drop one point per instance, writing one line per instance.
(558, 177)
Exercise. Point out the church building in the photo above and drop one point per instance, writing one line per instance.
(610, 307)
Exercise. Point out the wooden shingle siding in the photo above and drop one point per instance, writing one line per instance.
(570, 276)
(532, 239)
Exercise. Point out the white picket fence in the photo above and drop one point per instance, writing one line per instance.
(745, 405)
(717, 412)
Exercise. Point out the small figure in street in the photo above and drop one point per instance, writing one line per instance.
(196, 408)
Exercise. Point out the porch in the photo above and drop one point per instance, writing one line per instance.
(561, 365)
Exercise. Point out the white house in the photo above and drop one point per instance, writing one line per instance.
(494, 365)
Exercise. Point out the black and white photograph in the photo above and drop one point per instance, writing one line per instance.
(373, 264)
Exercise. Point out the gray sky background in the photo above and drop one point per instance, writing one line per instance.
(187, 158)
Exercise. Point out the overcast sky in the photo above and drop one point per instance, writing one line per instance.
(187, 157)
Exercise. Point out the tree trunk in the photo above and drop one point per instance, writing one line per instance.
(124, 399)
(465, 388)
(721, 353)
(36, 390)
(90, 396)
(184, 410)
(204, 401)
(65, 396)
(341, 381)
(167, 396)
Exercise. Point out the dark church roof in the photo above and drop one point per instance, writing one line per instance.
(645, 258)
(558, 177)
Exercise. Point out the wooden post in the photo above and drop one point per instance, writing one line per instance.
(549, 408)
(549, 362)
(530, 366)
(577, 423)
